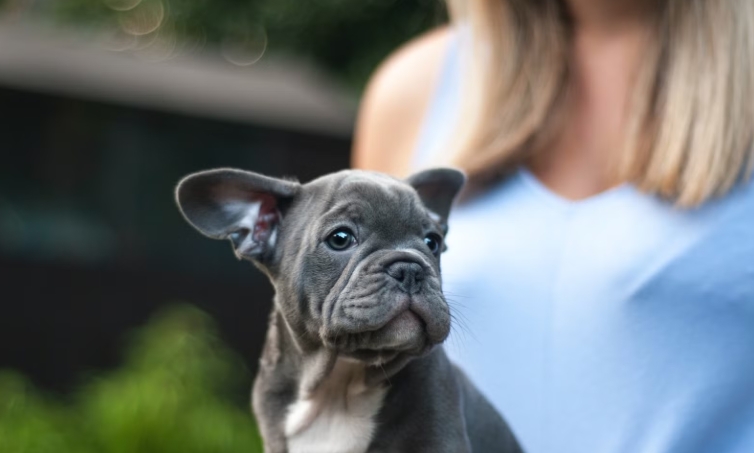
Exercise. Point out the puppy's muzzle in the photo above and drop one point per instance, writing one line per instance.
(392, 303)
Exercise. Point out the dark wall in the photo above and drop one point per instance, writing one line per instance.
(91, 242)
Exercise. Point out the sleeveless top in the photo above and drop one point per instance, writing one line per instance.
(617, 323)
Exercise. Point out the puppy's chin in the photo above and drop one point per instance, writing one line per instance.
(404, 334)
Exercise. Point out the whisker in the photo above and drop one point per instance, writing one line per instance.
(460, 323)
(452, 294)
(461, 327)
(385, 373)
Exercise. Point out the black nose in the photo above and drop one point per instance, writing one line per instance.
(409, 275)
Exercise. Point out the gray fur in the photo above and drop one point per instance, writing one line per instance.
(379, 302)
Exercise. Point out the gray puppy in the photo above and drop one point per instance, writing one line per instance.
(351, 363)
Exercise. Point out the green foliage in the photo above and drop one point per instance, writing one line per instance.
(348, 37)
(32, 423)
(172, 395)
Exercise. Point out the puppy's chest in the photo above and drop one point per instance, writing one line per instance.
(339, 417)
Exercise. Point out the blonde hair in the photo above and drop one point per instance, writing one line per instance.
(689, 129)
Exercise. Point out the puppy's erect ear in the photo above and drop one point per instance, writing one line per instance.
(437, 189)
(238, 205)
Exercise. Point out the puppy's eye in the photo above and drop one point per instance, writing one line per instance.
(433, 241)
(341, 239)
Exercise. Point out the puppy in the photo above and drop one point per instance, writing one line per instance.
(352, 362)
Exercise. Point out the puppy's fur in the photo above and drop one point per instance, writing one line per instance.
(352, 361)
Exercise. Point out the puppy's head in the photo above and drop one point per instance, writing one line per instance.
(354, 256)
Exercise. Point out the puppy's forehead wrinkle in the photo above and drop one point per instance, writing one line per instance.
(396, 206)
(353, 210)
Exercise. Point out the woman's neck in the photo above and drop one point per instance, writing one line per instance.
(578, 159)
(609, 16)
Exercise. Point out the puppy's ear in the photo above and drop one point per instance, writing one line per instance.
(238, 205)
(437, 189)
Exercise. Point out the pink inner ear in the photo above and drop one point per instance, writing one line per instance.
(266, 220)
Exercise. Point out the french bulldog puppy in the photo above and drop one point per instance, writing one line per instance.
(352, 362)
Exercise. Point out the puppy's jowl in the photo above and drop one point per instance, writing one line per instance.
(352, 362)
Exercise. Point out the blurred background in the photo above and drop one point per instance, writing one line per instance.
(104, 105)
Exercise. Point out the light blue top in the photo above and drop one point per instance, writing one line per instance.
(613, 324)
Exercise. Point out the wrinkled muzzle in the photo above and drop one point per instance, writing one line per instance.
(390, 303)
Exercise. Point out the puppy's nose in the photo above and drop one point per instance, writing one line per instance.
(409, 275)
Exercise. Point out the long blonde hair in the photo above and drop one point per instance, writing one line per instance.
(690, 127)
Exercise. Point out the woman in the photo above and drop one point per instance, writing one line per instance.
(603, 261)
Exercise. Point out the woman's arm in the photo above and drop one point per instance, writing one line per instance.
(394, 103)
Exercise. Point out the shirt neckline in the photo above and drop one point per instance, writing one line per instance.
(548, 195)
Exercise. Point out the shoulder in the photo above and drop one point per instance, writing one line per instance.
(395, 101)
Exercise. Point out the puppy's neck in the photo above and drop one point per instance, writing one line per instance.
(338, 416)
(337, 391)
(334, 408)
(309, 362)
(301, 359)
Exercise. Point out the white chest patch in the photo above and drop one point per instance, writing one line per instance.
(338, 417)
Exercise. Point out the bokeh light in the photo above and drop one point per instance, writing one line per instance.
(143, 19)
(122, 5)
(246, 48)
